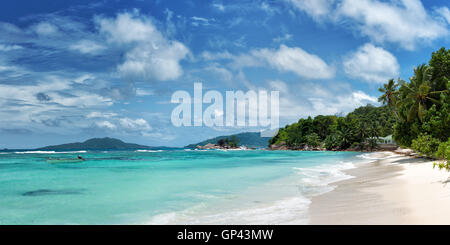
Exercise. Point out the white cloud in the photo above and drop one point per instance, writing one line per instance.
(144, 92)
(152, 56)
(96, 114)
(285, 37)
(120, 124)
(343, 103)
(312, 99)
(5, 48)
(270, 10)
(445, 13)
(284, 59)
(222, 73)
(45, 29)
(405, 22)
(372, 64)
(315, 8)
(106, 124)
(87, 47)
(84, 78)
(197, 21)
(295, 60)
(138, 124)
(219, 6)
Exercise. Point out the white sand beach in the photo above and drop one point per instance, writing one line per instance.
(394, 190)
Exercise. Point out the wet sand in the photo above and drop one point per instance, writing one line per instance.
(393, 190)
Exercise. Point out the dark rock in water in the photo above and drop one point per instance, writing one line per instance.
(45, 192)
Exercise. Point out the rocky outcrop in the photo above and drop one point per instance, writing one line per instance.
(279, 147)
(284, 147)
(406, 152)
(218, 147)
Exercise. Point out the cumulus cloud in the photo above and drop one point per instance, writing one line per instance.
(106, 124)
(404, 22)
(372, 64)
(312, 99)
(137, 124)
(284, 59)
(152, 56)
(295, 60)
(46, 102)
(118, 123)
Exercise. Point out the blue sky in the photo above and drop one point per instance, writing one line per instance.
(72, 70)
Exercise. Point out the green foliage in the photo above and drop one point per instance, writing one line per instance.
(233, 141)
(97, 144)
(313, 140)
(443, 151)
(338, 133)
(417, 113)
(422, 106)
(252, 139)
(333, 141)
(425, 145)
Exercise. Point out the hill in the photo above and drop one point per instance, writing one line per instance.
(245, 139)
(97, 144)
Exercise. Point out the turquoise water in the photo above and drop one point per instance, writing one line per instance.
(166, 187)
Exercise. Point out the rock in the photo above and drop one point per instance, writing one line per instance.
(406, 152)
(279, 147)
(211, 146)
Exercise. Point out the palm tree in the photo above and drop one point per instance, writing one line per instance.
(390, 93)
(346, 135)
(418, 92)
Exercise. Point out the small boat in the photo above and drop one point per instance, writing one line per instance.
(64, 160)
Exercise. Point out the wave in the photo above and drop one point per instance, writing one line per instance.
(149, 151)
(373, 156)
(316, 180)
(292, 209)
(286, 211)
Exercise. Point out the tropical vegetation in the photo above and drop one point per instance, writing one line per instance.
(421, 108)
(416, 112)
(358, 130)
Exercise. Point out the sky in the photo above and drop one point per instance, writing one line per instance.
(73, 70)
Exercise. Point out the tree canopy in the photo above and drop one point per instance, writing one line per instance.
(416, 112)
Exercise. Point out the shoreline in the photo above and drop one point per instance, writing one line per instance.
(395, 189)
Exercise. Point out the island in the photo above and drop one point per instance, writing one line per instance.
(98, 144)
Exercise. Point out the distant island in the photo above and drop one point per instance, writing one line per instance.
(98, 144)
(250, 140)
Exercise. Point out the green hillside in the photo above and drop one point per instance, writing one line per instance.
(97, 144)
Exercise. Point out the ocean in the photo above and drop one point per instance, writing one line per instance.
(167, 186)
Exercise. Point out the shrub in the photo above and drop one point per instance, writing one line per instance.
(333, 141)
(426, 145)
(443, 153)
(313, 140)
